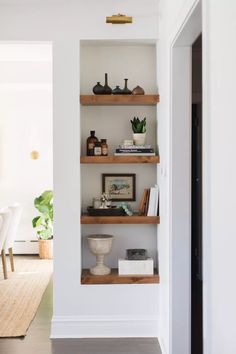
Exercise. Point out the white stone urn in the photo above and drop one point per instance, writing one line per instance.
(139, 138)
(100, 245)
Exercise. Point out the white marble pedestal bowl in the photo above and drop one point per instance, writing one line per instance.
(100, 245)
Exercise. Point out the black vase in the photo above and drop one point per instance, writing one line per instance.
(106, 89)
(98, 89)
(117, 91)
(125, 90)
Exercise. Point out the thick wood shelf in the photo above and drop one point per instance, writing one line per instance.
(134, 219)
(114, 278)
(120, 159)
(117, 100)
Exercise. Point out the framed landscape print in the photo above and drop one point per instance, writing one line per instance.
(119, 186)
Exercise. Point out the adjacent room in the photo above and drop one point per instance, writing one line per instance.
(26, 209)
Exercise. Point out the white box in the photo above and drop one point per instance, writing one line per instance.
(136, 267)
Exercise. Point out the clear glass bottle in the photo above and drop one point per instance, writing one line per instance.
(97, 149)
(92, 139)
(104, 147)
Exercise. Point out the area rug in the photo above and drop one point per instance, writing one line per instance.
(21, 293)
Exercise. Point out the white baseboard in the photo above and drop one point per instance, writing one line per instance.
(103, 327)
(162, 345)
(26, 247)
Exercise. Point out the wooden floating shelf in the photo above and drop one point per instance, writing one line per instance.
(117, 100)
(120, 159)
(115, 278)
(134, 219)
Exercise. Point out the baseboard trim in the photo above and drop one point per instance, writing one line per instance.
(162, 345)
(103, 327)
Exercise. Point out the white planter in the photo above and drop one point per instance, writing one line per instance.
(139, 138)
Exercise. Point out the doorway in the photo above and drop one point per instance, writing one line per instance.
(26, 132)
(181, 180)
(196, 204)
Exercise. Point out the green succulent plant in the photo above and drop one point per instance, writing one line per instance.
(44, 222)
(138, 126)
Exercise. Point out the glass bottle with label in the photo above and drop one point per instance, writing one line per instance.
(92, 139)
(97, 149)
(104, 147)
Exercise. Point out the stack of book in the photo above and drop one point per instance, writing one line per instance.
(149, 202)
(134, 150)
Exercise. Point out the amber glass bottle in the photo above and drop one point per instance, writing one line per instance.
(104, 147)
(92, 139)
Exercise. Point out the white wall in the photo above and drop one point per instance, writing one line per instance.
(112, 310)
(219, 172)
(219, 175)
(172, 16)
(25, 125)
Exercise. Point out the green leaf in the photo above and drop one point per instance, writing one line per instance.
(45, 234)
(34, 221)
(138, 126)
(44, 204)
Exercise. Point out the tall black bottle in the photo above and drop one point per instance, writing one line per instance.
(106, 89)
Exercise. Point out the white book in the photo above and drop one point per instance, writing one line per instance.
(134, 154)
(135, 147)
(153, 201)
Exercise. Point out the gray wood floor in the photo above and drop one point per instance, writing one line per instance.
(37, 339)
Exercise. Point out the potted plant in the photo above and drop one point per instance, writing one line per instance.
(44, 224)
(139, 130)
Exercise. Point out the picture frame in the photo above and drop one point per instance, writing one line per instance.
(119, 186)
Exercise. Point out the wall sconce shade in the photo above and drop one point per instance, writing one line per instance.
(34, 155)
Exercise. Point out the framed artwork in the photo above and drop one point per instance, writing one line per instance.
(119, 186)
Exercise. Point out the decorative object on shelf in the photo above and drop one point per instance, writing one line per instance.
(96, 203)
(91, 140)
(127, 142)
(125, 90)
(119, 19)
(136, 254)
(44, 224)
(138, 91)
(98, 89)
(136, 267)
(119, 186)
(139, 130)
(127, 208)
(100, 245)
(106, 88)
(111, 211)
(104, 147)
(105, 201)
(97, 150)
(117, 91)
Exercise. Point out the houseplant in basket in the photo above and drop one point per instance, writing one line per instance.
(139, 130)
(44, 224)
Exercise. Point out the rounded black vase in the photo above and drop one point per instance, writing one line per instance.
(98, 89)
(117, 91)
(106, 89)
(125, 90)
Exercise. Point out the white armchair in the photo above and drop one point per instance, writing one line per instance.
(16, 211)
(5, 216)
